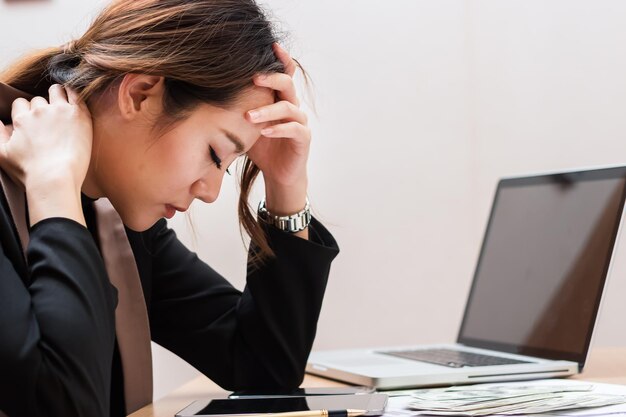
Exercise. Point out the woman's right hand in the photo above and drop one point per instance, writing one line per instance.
(50, 141)
(48, 151)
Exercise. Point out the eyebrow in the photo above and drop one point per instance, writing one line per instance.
(235, 140)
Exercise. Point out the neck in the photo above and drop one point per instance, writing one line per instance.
(91, 187)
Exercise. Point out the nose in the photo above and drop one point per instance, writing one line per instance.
(207, 188)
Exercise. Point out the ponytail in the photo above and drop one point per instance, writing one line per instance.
(30, 73)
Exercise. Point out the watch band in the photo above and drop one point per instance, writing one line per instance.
(292, 223)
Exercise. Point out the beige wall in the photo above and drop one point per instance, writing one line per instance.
(421, 106)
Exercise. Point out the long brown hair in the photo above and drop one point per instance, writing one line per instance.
(207, 51)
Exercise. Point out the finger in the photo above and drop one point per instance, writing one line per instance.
(291, 130)
(73, 97)
(285, 58)
(37, 101)
(283, 110)
(19, 106)
(280, 82)
(57, 94)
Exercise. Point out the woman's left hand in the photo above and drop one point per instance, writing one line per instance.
(282, 151)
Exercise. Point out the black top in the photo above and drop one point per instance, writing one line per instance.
(58, 355)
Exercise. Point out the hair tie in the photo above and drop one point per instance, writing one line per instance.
(61, 67)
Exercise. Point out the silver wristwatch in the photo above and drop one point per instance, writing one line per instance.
(291, 224)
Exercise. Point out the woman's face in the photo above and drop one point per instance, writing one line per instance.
(147, 177)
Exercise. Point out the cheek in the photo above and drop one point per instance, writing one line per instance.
(174, 163)
(179, 170)
(175, 175)
(170, 153)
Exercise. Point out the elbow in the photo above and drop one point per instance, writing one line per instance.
(292, 379)
(284, 372)
(285, 380)
(278, 376)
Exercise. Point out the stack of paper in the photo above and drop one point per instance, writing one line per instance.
(509, 399)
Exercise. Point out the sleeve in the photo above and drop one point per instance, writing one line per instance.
(258, 339)
(57, 332)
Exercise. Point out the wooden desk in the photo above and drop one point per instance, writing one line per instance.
(202, 387)
(604, 365)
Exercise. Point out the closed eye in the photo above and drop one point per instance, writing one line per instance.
(215, 158)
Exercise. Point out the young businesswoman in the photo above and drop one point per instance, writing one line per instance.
(129, 123)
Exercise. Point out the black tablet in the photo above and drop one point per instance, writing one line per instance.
(373, 403)
(299, 392)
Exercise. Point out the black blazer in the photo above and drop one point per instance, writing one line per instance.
(58, 355)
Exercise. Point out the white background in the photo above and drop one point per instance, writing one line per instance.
(421, 107)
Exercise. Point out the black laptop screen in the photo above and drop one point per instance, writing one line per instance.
(543, 264)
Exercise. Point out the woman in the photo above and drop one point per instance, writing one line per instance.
(147, 110)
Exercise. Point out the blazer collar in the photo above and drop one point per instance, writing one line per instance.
(7, 95)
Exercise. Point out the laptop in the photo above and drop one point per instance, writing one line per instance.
(535, 294)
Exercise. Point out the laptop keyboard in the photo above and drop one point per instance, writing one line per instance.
(452, 358)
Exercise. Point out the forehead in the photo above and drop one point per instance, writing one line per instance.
(254, 97)
(233, 119)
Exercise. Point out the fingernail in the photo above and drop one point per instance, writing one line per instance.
(254, 114)
(267, 131)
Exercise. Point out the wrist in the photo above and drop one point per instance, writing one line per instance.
(54, 198)
(282, 200)
(296, 223)
(46, 180)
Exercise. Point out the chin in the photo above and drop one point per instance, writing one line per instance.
(136, 217)
(139, 224)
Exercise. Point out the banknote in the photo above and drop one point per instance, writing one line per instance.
(487, 396)
(503, 399)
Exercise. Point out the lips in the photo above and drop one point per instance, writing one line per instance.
(170, 210)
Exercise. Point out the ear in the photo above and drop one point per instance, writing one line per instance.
(140, 95)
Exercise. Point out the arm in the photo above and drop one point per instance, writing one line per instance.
(260, 338)
(47, 151)
(58, 328)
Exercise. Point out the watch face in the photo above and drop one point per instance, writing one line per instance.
(262, 212)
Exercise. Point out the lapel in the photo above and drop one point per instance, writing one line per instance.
(131, 317)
